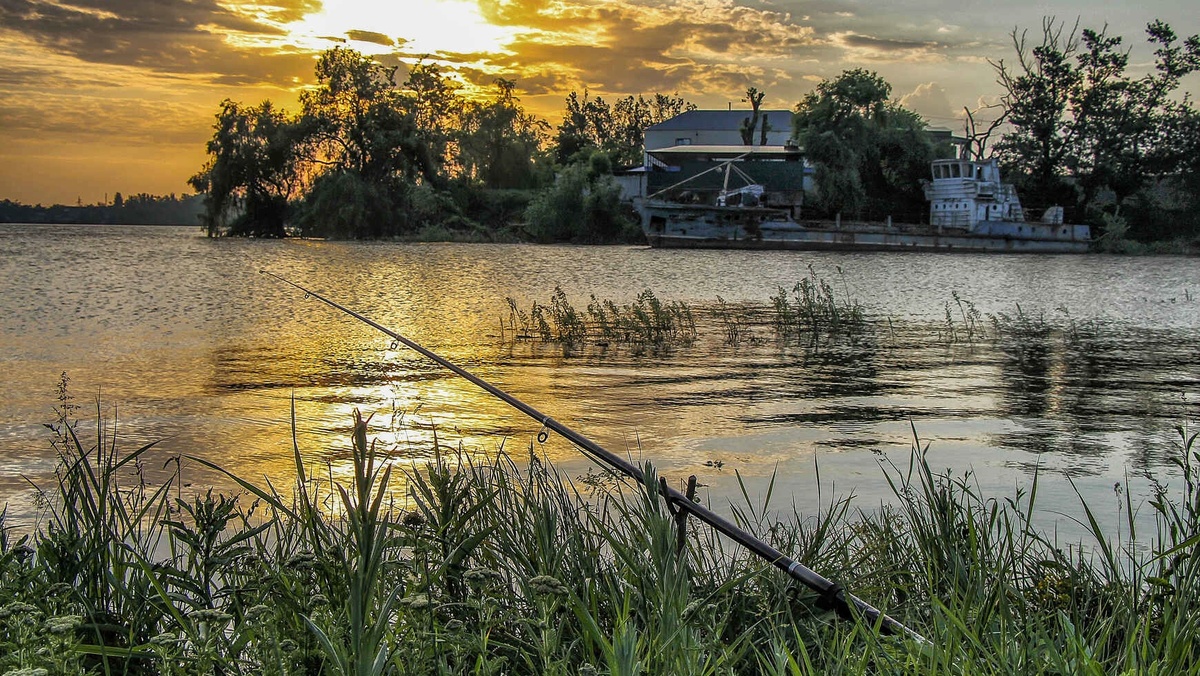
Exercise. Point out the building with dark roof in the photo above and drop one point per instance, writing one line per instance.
(690, 143)
(718, 128)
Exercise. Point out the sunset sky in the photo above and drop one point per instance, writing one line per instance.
(105, 96)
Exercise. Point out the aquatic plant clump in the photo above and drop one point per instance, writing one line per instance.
(812, 313)
(814, 310)
(646, 321)
(500, 567)
(971, 327)
(811, 310)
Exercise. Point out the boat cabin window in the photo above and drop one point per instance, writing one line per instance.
(956, 170)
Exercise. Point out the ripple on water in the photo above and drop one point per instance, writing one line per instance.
(192, 347)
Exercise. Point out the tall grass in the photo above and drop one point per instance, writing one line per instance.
(500, 566)
(647, 321)
(736, 322)
(813, 310)
(971, 327)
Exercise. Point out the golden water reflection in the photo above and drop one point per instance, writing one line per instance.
(188, 345)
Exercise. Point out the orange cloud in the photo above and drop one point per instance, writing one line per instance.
(713, 48)
(151, 73)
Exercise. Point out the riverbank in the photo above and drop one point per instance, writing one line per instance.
(501, 565)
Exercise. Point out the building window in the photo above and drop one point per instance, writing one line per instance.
(683, 141)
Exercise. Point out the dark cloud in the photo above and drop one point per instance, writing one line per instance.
(166, 36)
(261, 67)
(372, 37)
(11, 77)
(595, 65)
(884, 44)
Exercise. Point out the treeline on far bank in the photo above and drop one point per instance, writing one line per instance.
(139, 209)
(370, 157)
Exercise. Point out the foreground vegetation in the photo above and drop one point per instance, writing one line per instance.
(501, 565)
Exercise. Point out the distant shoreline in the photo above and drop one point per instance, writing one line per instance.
(140, 209)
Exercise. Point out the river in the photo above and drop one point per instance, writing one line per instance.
(183, 342)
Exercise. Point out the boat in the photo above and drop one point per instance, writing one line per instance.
(970, 210)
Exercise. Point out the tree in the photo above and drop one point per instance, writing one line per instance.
(977, 140)
(870, 153)
(500, 143)
(253, 171)
(1036, 96)
(617, 130)
(361, 130)
(1183, 125)
(586, 125)
(583, 204)
(437, 110)
(359, 121)
(626, 144)
(1082, 126)
(754, 98)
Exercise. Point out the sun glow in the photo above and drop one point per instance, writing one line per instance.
(428, 27)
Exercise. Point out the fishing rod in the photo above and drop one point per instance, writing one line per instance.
(832, 595)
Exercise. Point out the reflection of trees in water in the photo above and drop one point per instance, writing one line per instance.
(837, 371)
(1025, 378)
(1082, 395)
(1152, 443)
(1070, 394)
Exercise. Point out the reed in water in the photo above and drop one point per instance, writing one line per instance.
(646, 321)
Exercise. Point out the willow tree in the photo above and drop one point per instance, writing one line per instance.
(253, 171)
(364, 136)
(499, 143)
(870, 153)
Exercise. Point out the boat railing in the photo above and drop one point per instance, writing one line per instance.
(952, 219)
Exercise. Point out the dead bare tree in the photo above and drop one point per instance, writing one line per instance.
(977, 141)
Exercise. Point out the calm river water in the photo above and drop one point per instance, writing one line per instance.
(183, 341)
